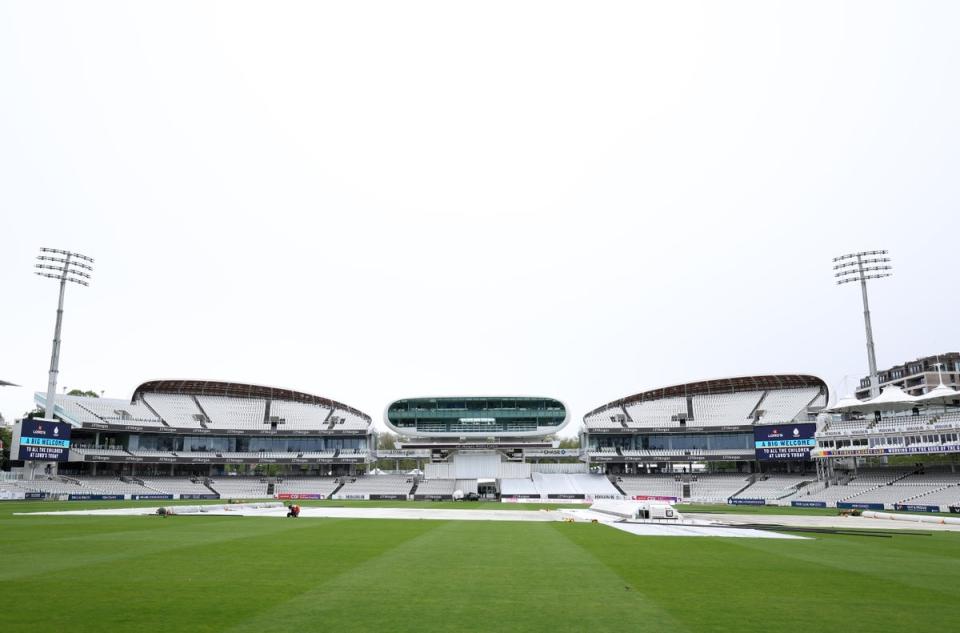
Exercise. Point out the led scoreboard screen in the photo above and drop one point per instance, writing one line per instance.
(784, 441)
(44, 440)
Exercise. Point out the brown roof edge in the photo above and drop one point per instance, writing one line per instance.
(237, 390)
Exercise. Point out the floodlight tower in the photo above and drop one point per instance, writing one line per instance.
(861, 267)
(63, 266)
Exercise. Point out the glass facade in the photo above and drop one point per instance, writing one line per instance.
(675, 441)
(212, 443)
(482, 416)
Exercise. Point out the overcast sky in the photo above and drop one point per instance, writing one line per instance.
(370, 201)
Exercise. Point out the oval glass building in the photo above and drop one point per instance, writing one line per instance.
(476, 416)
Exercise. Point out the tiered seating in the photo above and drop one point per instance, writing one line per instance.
(845, 427)
(775, 486)
(606, 419)
(894, 493)
(10, 489)
(53, 486)
(146, 453)
(112, 486)
(437, 487)
(654, 453)
(120, 411)
(319, 454)
(175, 486)
(518, 487)
(719, 409)
(603, 451)
(785, 405)
(343, 420)
(650, 485)
(902, 423)
(298, 416)
(945, 497)
(879, 476)
(657, 412)
(307, 485)
(233, 413)
(378, 485)
(948, 495)
(832, 494)
(240, 487)
(716, 488)
(177, 411)
(466, 486)
(82, 451)
(573, 484)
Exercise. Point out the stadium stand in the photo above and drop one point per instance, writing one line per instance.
(176, 486)
(650, 485)
(716, 488)
(438, 488)
(659, 413)
(307, 485)
(388, 485)
(240, 487)
(467, 486)
(776, 486)
(176, 410)
(298, 416)
(724, 408)
(785, 405)
(518, 488)
(233, 413)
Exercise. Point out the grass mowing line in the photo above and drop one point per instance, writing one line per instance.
(464, 576)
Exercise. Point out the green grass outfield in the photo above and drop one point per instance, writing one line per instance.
(262, 574)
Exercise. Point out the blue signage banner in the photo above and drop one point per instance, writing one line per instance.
(95, 497)
(34, 495)
(784, 441)
(44, 440)
(199, 496)
(152, 497)
(809, 504)
(911, 507)
(747, 502)
(849, 505)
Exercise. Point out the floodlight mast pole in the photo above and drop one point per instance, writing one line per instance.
(861, 267)
(871, 350)
(69, 267)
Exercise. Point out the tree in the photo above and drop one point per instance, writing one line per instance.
(6, 434)
(81, 392)
(386, 441)
(36, 413)
(570, 442)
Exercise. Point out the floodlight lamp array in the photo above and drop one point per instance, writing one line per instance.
(71, 267)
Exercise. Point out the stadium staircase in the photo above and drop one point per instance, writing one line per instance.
(206, 418)
(756, 407)
(413, 490)
(626, 416)
(750, 481)
(154, 412)
(340, 485)
(619, 489)
(206, 482)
